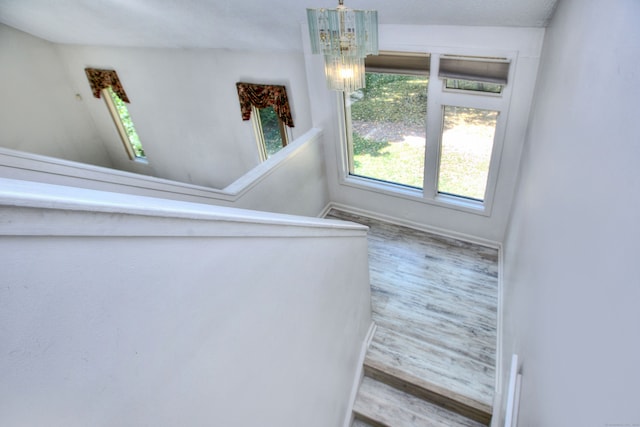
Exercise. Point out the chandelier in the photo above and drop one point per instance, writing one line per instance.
(344, 37)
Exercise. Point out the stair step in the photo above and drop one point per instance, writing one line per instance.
(382, 405)
(359, 423)
(430, 372)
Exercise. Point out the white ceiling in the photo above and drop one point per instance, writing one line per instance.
(240, 24)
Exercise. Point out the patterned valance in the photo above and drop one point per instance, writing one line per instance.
(262, 96)
(102, 79)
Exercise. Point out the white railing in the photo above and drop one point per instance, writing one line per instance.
(33, 167)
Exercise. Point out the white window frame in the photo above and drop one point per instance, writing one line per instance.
(437, 98)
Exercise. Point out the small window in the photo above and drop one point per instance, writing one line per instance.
(271, 132)
(124, 124)
(475, 68)
(465, 156)
(106, 84)
(267, 106)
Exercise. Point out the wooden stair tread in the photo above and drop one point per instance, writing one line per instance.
(359, 423)
(431, 372)
(382, 405)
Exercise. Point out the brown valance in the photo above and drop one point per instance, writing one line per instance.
(262, 96)
(102, 79)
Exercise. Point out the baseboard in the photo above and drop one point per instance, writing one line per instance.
(416, 226)
(348, 419)
(325, 210)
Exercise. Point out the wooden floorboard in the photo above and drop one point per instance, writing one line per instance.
(438, 290)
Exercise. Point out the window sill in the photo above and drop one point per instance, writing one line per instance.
(140, 160)
(417, 195)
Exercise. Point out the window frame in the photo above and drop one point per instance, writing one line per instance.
(437, 97)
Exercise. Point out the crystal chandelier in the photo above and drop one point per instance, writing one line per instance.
(345, 37)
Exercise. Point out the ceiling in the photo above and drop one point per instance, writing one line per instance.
(240, 24)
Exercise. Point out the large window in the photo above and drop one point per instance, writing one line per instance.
(454, 160)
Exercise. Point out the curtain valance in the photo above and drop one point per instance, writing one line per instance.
(262, 96)
(102, 79)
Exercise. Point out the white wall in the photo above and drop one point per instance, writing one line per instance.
(113, 313)
(571, 278)
(521, 44)
(39, 112)
(184, 105)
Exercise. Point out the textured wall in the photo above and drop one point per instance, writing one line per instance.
(130, 311)
(571, 257)
(39, 112)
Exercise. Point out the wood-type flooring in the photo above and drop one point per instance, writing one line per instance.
(434, 302)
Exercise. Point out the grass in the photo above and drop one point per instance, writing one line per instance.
(380, 160)
(386, 118)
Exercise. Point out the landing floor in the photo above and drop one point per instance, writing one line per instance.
(438, 290)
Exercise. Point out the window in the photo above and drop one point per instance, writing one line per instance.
(454, 162)
(387, 120)
(470, 85)
(106, 84)
(465, 151)
(270, 130)
(267, 106)
(124, 124)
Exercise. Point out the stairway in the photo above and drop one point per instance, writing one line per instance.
(434, 300)
(409, 382)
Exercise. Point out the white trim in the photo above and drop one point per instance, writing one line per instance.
(256, 124)
(497, 400)
(513, 396)
(75, 211)
(500, 322)
(416, 226)
(414, 194)
(357, 379)
(325, 210)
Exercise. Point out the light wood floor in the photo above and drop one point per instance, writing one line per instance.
(434, 300)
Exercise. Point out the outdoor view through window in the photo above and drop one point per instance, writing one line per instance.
(388, 135)
(388, 122)
(273, 130)
(122, 119)
(465, 151)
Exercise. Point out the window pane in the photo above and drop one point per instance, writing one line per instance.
(271, 130)
(473, 86)
(127, 123)
(467, 142)
(388, 120)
